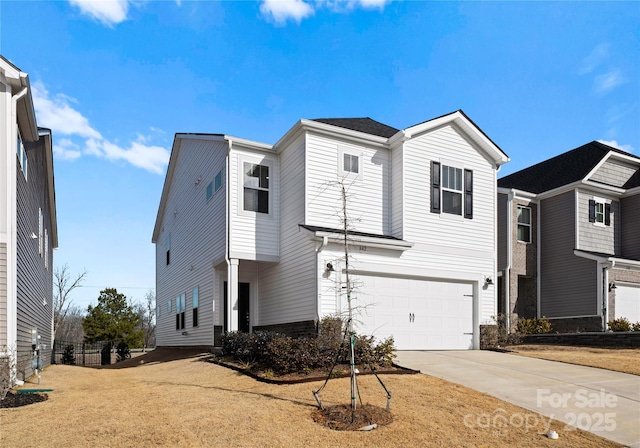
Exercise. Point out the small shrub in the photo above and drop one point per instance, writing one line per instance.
(123, 351)
(68, 356)
(533, 326)
(497, 336)
(620, 324)
(635, 326)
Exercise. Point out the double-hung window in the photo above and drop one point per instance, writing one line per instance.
(256, 187)
(524, 224)
(451, 190)
(599, 212)
(21, 152)
(168, 248)
(350, 163)
(180, 306)
(195, 307)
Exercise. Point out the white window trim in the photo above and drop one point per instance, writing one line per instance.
(448, 215)
(518, 223)
(342, 150)
(240, 179)
(602, 202)
(21, 153)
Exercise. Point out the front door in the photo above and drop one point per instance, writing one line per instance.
(244, 317)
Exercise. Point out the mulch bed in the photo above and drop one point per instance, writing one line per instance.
(15, 400)
(343, 418)
(341, 371)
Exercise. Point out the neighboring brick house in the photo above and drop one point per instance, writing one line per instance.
(248, 235)
(28, 229)
(569, 239)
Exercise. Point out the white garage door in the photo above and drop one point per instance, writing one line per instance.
(419, 314)
(628, 302)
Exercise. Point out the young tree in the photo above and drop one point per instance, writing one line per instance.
(63, 284)
(147, 312)
(112, 320)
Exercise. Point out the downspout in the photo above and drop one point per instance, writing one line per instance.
(539, 261)
(227, 224)
(12, 244)
(507, 276)
(319, 249)
(605, 293)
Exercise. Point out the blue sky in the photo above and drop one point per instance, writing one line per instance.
(115, 80)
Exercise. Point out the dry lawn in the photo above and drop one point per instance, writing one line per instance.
(626, 360)
(191, 403)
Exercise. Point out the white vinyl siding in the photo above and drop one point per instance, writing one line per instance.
(448, 242)
(253, 236)
(397, 193)
(287, 290)
(368, 194)
(197, 240)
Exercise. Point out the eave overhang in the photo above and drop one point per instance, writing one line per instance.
(336, 236)
(610, 260)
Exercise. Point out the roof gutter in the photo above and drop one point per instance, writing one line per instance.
(367, 241)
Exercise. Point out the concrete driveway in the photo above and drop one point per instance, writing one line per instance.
(603, 402)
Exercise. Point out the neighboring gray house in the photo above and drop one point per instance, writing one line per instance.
(569, 239)
(248, 235)
(28, 232)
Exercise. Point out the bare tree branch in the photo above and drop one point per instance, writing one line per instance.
(63, 284)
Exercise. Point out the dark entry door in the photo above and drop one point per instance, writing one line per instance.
(244, 316)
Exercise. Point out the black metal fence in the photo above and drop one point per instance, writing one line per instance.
(81, 353)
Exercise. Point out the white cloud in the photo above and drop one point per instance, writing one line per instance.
(150, 158)
(349, 5)
(607, 81)
(57, 114)
(615, 144)
(282, 10)
(65, 149)
(108, 12)
(595, 58)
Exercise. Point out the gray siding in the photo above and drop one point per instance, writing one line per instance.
(3, 294)
(502, 231)
(197, 229)
(568, 283)
(34, 281)
(597, 237)
(614, 172)
(630, 228)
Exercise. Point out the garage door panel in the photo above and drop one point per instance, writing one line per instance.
(442, 312)
(628, 302)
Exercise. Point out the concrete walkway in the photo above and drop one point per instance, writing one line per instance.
(603, 402)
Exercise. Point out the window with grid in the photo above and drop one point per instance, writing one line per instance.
(524, 224)
(256, 188)
(180, 307)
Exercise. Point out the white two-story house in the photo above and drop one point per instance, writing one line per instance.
(250, 236)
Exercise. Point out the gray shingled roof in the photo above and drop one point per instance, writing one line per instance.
(366, 125)
(564, 169)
